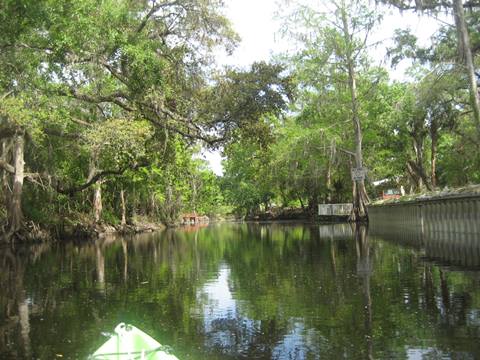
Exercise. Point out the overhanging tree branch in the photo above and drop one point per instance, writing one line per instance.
(114, 98)
(61, 134)
(7, 167)
(99, 175)
(158, 116)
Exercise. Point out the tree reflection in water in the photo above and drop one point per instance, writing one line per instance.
(364, 271)
(229, 291)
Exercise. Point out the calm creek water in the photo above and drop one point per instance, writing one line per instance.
(251, 291)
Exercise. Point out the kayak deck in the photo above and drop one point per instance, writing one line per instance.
(130, 343)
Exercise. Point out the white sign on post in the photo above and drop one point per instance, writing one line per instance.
(358, 174)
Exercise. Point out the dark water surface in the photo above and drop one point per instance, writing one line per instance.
(269, 291)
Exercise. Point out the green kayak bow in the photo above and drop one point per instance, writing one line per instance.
(128, 343)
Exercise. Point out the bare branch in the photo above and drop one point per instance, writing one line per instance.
(144, 22)
(81, 122)
(7, 167)
(114, 73)
(351, 153)
(5, 95)
(36, 178)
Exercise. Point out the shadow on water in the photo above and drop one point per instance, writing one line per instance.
(249, 291)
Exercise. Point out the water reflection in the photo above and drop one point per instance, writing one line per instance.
(100, 265)
(218, 311)
(451, 240)
(15, 305)
(226, 330)
(364, 271)
(270, 291)
(230, 332)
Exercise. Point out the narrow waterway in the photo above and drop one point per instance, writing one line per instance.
(251, 291)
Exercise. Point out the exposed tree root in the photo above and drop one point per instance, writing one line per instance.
(359, 212)
(28, 232)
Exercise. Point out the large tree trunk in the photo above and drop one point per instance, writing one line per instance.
(123, 207)
(418, 164)
(153, 205)
(360, 197)
(15, 214)
(328, 183)
(97, 202)
(465, 53)
(97, 191)
(194, 195)
(416, 180)
(4, 175)
(134, 203)
(433, 155)
(328, 180)
(416, 167)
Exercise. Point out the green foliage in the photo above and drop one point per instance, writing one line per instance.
(118, 95)
(242, 103)
(246, 182)
(106, 94)
(118, 142)
(412, 132)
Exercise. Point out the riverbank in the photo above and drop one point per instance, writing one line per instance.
(296, 214)
(98, 230)
(81, 227)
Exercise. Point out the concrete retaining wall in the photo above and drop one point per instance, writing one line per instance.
(448, 228)
(460, 213)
